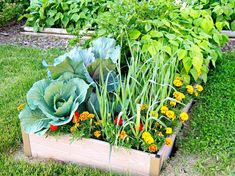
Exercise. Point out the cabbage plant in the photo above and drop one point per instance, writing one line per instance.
(52, 102)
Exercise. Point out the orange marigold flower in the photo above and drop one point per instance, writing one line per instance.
(20, 107)
(97, 134)
(91, 116)
(168, 141)
(84, 115)
(178, 96)
(152, 148)
(122, 135)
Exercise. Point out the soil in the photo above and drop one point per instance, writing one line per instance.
(10, 34)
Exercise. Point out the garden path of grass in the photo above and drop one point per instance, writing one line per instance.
(207, 150)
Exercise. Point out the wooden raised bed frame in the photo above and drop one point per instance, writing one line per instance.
(98, 154)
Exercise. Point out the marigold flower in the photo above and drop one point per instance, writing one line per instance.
(118, 120)
(183, 116)
(20, 107)
(173, 103)
(154, 114)
(196, 94)
(168, 141)
(122, 135)
(170, 114)
(91, 116)
(84, 115)
(76, 117)
(147, 137)
(77, 125)
(168, 130)
(160, 134)
(73, 129)
(164, 109)
(177, 83)
(190, 89)
(98, 123)
(145, 134)
(178, 96)
(199, 88)
(97, 134)
(143, 107)
(152, 148)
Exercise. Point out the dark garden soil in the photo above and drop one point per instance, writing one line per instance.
(10, 34)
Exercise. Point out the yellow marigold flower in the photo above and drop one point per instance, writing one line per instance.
(168, 130)
(179, 78)
(122, 135)
(179, 96)
(152, 148)
(97, 134)
(145, 134)
(160, 134)
(190, 89)
(170, 114)
(168, 141)
(164, 109)
(149, 140)
(98, 122)
(20, 107)
(154, 114)
(73, 129)
(77, 125)
(143, 107)
(84, 115)
(199, 88)
(177, 83)
(196, 94)
(183, 116)
(91, 116)
(173, 103)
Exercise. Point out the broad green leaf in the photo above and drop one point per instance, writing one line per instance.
(207, 24)
(181, 54)
(33, 121)
(219, 25)
(135, 34)
(187, 62)
(194, 13)
(147, 27)
(233, 25)
(75, 17)
(197, 57)
(194, 73)
(154, 33)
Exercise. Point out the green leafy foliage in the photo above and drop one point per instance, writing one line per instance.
(165, 27)
(70, 15)
(222, 12)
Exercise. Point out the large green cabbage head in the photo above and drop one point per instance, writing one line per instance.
(52, 102)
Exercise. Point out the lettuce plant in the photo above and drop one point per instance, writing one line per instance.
(52, 102)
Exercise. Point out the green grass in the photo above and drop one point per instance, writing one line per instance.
(211, 136)
(212, 133)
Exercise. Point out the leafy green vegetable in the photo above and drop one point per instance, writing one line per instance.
(52, 102)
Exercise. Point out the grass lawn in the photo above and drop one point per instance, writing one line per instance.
(211, 137)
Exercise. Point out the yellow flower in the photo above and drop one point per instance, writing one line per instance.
(145, 134)
(91, 116)
(170, 114)
(179, 96)
(154, 114)
(183, 116)
(179, 78)
(98, 122)
(164, 109)
(152, 148)
(177, 83)
(122, 135)
(149, 140)
(172, 103)
(84, 115)
(77, 125)
(160, 134)
(190, 89)
(143, 107)
(73, 129)
(196, 94)
(20, 107)
(97, 134)
(199, 88)
(168, 141)
(168, 130)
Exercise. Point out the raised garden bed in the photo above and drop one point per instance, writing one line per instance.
(99, 154)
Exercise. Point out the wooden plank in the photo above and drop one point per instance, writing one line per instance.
(26, 143)
(57, 31)
(231, 34)
(155, 166)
